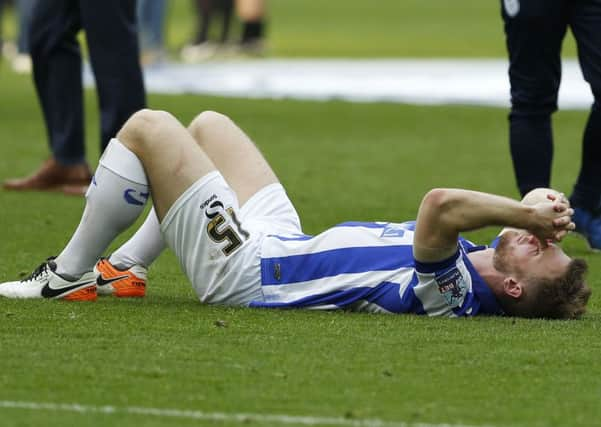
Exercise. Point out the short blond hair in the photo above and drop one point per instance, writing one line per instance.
(564, 297)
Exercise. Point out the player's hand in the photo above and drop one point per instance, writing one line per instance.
(558, 197)
(553, 220)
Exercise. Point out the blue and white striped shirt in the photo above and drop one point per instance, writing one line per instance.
(364, 266)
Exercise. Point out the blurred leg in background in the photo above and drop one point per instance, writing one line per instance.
(252, 13)
(534, 34)
(112, 41)
(535, 30)
(18, 52)
(151, 24)
(227, 9)
(204, 12)
(585, 22)
(202, 47)
(21, 63)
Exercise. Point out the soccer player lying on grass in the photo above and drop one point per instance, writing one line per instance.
(239, 239)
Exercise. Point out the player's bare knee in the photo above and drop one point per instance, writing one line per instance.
(137, 132)
(206, 121)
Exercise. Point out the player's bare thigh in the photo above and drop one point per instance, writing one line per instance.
(173, 161)
(233, 153)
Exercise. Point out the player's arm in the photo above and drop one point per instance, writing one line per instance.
(539, 195)
(444, 213)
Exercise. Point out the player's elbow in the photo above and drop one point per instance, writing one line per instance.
(442, 204)
(435, 227)
(438, 199)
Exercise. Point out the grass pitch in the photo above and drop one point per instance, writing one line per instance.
(93, 364)
(359, 28)
(339, 161)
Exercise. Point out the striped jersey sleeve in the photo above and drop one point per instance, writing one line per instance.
(365, 266)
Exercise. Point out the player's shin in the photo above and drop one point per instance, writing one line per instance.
(116, 197)
(144, 246)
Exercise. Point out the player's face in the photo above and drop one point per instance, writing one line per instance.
(521, 254)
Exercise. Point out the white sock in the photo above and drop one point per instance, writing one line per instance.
(115, 199)
(143, 248)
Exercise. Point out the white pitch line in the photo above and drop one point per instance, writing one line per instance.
(240, 418)
(413, 81)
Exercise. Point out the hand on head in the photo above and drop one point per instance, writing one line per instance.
(553, 219)
(559, 197)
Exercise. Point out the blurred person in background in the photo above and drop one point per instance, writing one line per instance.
(112, 41)
(252, 13)
(18, 53)
(151, 24)
(202, 47)
(22, 61)
(252, 16)
(534, 31)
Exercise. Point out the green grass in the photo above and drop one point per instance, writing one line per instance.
(340, 161)
(382, 28)
(360, 28)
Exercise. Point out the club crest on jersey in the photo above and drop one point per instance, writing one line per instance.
(393, 230)
(452, 286)
(512, 7)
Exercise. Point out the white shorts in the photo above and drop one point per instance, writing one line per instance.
(218, 243)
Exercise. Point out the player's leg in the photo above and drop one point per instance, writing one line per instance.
(167, 146)
(242, 166)
(265, 206)
(153, 144)
(248, 174)
(534, 32)
(198, 211)
(171, 158)
(152, 150)
(585, 21)
(233, 153)
(124, 273)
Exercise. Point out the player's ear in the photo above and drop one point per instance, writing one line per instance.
(512, 287)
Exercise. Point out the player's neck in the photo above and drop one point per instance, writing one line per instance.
(482, 262)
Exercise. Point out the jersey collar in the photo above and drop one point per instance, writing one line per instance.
(488, 302)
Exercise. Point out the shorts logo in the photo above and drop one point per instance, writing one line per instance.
(452, 286)
(512, 7)
(204, 204)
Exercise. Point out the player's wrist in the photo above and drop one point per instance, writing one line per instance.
(529, 218)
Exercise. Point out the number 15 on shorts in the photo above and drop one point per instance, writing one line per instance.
(225, 227)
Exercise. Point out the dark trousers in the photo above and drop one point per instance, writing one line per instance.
(534, 31)
(111, 35)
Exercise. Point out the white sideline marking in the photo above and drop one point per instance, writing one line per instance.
(216, 416)
(413, 81)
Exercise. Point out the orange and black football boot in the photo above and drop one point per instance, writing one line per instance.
(127, 283)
